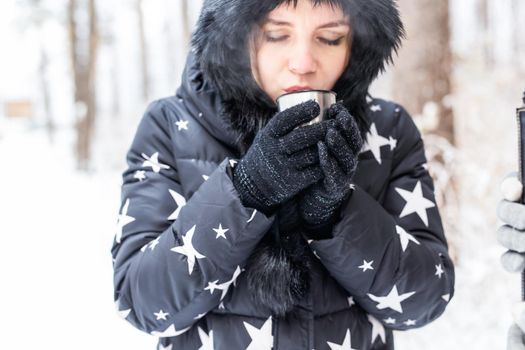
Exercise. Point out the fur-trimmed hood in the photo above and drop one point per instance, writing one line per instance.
(220, 44)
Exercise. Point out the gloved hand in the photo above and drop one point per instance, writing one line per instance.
(512, 237)
(338, 154)
(512, 234)
(282, 159)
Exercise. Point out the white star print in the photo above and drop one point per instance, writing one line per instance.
(415, 203)
(368, 99)
(182, 124)
(346, 345)
(180, 201)
(221, 305)
(122, 313)
(410, 322)
(233, 162)
(377, 329)
(122, 220)
(188, 249)
(206, 340)
(140, 174)
(253, 215)
(261, 339)
(351, 301)
(392, 300)
(169, 332)
(205, 177)
(154, 243)
(226, 285)
(446, 297)
(405, 237)
(390, 320)
(393, 143)
(373, 143)
(220, 231)
(212, 286)
(199, 316)
(376, 108)
(161, 315)
(366, 265)
(439, 270)
(153, 162)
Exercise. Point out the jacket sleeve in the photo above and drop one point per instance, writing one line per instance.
(392, 257)
(174, 259)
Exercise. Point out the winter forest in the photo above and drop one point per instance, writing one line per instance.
(76, 77)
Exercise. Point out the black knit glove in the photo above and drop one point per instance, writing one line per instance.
(319, 204)
(282, 160)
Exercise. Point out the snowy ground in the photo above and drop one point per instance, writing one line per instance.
(58, 226)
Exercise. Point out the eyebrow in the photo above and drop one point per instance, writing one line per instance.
(326, 25)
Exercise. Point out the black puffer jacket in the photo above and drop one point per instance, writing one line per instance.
(184, 237)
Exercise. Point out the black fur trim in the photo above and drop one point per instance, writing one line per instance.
(220, 42)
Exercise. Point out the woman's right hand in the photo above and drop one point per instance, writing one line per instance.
(283, 159)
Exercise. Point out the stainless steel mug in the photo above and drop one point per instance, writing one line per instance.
(324, 98)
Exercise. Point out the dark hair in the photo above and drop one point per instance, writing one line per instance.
(221, 45)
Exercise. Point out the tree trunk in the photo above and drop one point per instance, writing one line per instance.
(422, 84)
(143, 51)
(423, 68)
(486, 36)
(44, 86)
(83, 51)
(186, 26)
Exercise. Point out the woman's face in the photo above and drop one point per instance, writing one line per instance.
(301, 48)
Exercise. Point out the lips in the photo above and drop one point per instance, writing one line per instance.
(297, 88)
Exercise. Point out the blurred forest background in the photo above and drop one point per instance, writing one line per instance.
(75, 78)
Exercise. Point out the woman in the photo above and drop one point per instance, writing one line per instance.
(242, 229)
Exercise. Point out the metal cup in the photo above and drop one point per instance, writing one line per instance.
(324, 98)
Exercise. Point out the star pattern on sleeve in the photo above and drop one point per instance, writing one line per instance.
(415, 203)
(410, 322)
(188, 250)
(446, 297)
(405, 238)
(171, 331)
(439, 271)
(345, 345)
(161, 315)
(392, 300)
(224, 287)
(378, 330)
(205, 177)
(374, 142)
(390, 320)
(153, 162)
(180, 201)
(366, 265)
(182, 125)
(376, 108)
(253, 215)
(140, 175)
(261, 338)
(123, 220)
(221, 231)
(206, 339)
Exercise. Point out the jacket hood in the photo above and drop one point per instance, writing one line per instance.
(220, 45)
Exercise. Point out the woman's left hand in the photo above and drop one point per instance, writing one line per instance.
(338, 154)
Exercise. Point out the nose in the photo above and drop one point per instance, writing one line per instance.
(302, 60)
